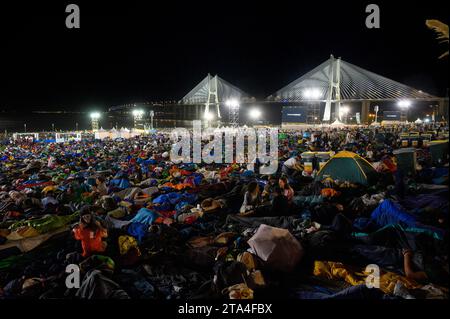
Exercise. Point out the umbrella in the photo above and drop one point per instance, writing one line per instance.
(277, 247)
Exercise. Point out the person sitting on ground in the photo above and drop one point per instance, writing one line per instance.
(269, 188)
(90, 232)
(369, 153)
(252, 199)
(286, 188)
(100, 186)
(280, 204)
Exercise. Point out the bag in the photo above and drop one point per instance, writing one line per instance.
(210, 205)
(248, 259)
(256, 279)
(224, 238)
(200, 242)
(239, 291)
(126, 243)
(229, 273)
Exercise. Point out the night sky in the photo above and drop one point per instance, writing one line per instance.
(131, 52)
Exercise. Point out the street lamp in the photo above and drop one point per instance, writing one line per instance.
(95, 116)
(25, 127)
(53, 127)
(76, 126)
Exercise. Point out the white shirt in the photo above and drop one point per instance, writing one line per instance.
(290, 163)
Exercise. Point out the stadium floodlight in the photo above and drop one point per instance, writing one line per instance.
(312, 94)
(344, 110)
(137, 113)
(232, 103)
(208, 116)
(255, 114)
(95, 115)
(404, 104)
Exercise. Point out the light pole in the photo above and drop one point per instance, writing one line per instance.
(152, 114)
(233, 118)
(137, 115)
(76, 126)
(53, 127)
(95, 116)
(376, 108)
(434, 107)
(25, 127)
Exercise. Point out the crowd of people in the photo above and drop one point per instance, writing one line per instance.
(140, 226)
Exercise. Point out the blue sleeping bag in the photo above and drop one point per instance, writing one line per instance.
(137, 230)
(120, 183)
(389, 212)
(145, 216)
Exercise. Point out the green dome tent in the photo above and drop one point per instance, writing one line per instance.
(348, 166)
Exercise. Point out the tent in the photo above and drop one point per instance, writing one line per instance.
(348, 166)
(418, 121)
